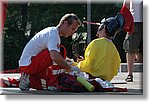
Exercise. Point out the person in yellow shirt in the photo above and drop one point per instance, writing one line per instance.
(101, 58)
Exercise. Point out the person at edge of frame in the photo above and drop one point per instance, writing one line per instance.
(133, 42)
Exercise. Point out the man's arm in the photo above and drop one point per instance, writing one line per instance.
(57, 58)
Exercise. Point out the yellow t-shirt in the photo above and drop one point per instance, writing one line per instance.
(101, 59)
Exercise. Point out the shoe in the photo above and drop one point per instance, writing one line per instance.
(24, 84)
(129, 78)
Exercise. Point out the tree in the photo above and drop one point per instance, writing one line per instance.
(13, 36)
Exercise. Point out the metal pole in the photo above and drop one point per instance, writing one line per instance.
(89, 20)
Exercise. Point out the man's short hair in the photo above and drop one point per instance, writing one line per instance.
(69, 18)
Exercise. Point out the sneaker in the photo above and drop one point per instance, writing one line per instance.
(24, 82)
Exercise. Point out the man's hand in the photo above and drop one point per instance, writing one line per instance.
(69, 61)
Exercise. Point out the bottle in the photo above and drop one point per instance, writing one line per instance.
(86, 84)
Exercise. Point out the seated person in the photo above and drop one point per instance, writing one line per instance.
(101, 56)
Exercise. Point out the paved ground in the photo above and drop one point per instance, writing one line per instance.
(134, 88)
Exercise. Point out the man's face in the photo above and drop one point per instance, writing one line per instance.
(70, 29)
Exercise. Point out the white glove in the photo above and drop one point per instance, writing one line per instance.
(75, 68)
(69, 61)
